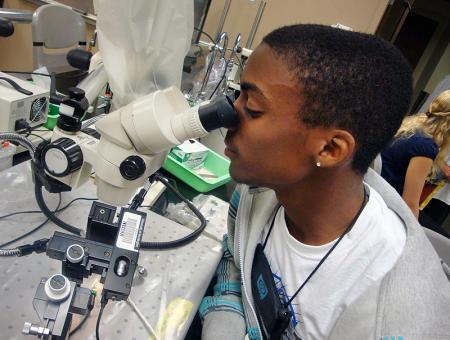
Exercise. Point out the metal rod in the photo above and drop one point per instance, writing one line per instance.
(236, 47)
(223, 39)
(16, 15)
(251, 35)
(226, 8)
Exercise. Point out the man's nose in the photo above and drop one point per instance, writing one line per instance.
(238, 115)
(238, 106)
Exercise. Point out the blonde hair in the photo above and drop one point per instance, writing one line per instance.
(435, 124)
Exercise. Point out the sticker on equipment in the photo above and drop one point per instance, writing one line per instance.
(129, 231)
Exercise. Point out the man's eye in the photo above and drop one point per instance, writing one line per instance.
(253, 113)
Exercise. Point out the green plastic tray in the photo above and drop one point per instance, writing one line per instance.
(214, 163)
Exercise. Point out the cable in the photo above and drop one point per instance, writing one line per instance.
(203, 32)
(223, 76)
(36, 135)
(9, 252)
(28, 132)
(21, 212)
(100, 313)
(31, 231)
(240, 63)
(24, 235)
(186, 239)
(40, 212)
(51, 216)
(219, 83)
(36, 130)
(48, 75)
(82, 322)
(77, 199)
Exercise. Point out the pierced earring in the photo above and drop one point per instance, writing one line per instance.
(318, 164)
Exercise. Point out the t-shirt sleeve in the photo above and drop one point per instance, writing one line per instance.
(423, 147)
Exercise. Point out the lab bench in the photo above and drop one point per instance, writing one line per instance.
(166, 298)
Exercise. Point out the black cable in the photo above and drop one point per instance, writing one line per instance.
(219, 83)
(31, 231)
(29, 129)
(35, 135)
(186, 239)
(43, 206)
(40, 212)
(240, 63)
(21, 212)
(100, 313)
(28, 132)
(223, 76)
(77, 199)
(202, 32)
(35, 129)
(48, 75)
(82, 322)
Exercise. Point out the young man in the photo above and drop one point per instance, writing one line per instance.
(347, 257)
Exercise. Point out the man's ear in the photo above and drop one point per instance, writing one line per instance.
(337, 149)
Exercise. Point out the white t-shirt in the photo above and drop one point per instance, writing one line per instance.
(362, 258)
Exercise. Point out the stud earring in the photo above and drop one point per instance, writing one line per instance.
(318, 164)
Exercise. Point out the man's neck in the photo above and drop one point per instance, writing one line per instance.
(319, 210)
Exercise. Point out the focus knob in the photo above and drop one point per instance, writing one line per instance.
(132, 167)
(76, 93)
(75, 253)
(57, 287)
(62, 157)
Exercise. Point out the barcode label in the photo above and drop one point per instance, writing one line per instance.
(129, 231)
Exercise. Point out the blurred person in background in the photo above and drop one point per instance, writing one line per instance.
(420, 151)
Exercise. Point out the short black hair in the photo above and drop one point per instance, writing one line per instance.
(349, 80)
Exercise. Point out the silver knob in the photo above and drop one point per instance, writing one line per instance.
(57, 287)
(75, 253)
(31, 329)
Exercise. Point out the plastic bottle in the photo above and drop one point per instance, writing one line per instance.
(7, 151)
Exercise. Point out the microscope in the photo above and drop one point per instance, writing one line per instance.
(134, 140)
(132, 145)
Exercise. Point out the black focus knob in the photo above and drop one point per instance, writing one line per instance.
(71, 110)
(62, 157)
(132, 167)
(76, 93)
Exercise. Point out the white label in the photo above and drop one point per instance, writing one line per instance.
(129, 232)
(66, 110)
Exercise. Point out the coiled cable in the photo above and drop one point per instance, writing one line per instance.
(10, 252)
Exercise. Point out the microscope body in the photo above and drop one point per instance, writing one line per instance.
(133, 145)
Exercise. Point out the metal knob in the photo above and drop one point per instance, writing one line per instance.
(57, 287)
(75, 253)
(32, 329)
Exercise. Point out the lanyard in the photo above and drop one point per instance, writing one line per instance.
(349, 227)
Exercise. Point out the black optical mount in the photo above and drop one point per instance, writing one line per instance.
(110, 249)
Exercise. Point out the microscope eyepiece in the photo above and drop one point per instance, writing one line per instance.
(218, 113)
